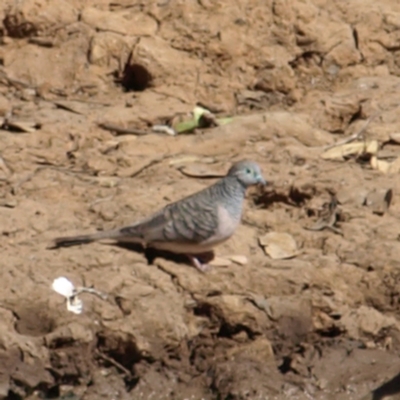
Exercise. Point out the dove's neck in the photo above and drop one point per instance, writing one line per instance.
(233, 193)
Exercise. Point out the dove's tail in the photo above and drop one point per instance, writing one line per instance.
(67, 241)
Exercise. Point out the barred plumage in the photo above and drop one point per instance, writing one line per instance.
(192, 225)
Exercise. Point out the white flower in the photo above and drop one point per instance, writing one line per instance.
(63, 286)
(74, 304)
(66, 288)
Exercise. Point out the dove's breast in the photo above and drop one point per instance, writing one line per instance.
(227, 224)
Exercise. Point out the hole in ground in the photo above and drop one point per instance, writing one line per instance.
(19, 30)
(285, 366)
(52, 393)
(203, 309)
(122, 350)
(33, 321)
(331, 332)
(13, 396)
(136, 78)
(228, 331)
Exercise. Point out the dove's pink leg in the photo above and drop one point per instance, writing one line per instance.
(196, 263)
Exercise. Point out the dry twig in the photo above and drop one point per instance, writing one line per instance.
(113, 362)
(355, 135)
(119, 130)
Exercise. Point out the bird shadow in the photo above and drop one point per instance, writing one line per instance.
(151, 254)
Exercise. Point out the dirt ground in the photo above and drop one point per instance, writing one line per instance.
(314, 313)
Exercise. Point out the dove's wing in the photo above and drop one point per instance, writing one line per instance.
(191, 220)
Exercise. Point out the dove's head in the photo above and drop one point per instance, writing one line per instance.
(248, 173)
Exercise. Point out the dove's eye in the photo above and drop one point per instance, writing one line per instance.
(248, 171)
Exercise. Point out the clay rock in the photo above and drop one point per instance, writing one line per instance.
(238, 311)
(364, 96)
(246, 370)
(379, 200)
(292, 316)
(24, 361)
(156, 56)
(265, 126)
(280, 79)
(375, 28)
(125, 22)
(64, 71)
(284, 124)
(350, 361)
(318, 32)
(31, 17)
(145, 317)
(110, 50)
(72, 332)
(347, 195)
(20, 377)
(333, 113)
(367, 254)
(366, 321)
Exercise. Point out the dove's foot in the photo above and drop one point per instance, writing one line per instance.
(198, 264)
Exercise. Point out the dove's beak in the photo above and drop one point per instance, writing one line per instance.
(261, 180)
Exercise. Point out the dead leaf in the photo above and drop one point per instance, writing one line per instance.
(239, 259)
(395, 137)
(380, 165)
(379, 200)
(8, 203)
(220, 262)
(109, 146)
(279, 245)
(108, 181)
(385, 166)
(44, 157)
(77, 106)
(20, 126)
(351, 149)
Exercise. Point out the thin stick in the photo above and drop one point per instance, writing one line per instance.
(149, 164)
(355, 135)
(119, 130)
(83, 289)
(205, 176)
(113, 362)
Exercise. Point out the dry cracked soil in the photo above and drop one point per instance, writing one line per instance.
(314, 312)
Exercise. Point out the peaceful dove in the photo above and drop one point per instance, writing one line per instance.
(193, 225)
